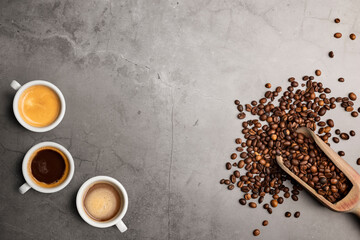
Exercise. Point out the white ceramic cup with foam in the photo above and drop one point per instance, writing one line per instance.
(21, 88)
(116, 220)
(30, 183)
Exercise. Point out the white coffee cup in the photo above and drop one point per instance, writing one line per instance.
(115, 221)
(20, 89)
(30, 183)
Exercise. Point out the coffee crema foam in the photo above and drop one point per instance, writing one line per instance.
(39, 106)
(102, 201)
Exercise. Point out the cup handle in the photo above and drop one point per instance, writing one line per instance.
(25, 187)
(121, 226)
(15, 85)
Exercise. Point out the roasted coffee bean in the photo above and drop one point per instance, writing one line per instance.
(256, 232)
(268, 85)
(358, 161)
(236, 173)
(337, 35)
(336, 140)
(265, 222)
(261, 199)
(242, 201)
(237, 102)
(274, 203)
(317, 72)
(241, 115)
(280, 200)
(252, 205)
(294, 197)
(337, 20)
(352, 36)
(354, 114)
(352, 133)
(269, 210)
(341, 153)
(287, 195)
(266, 206)
(352, 96)
(341, 80)
(337, 131)
(297, 214)
(231, 187)
(238, 141)
(228, 166)
(344, 136)
(287, 214)
(222, 181)
(331, 54)
(240, 108)
(330, 123)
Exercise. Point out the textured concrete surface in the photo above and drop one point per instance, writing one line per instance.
(149, 87)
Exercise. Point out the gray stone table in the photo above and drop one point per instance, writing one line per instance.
(149, 87)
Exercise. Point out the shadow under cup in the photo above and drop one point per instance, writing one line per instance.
(102, 201)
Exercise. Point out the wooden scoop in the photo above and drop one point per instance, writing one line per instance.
(351, 202)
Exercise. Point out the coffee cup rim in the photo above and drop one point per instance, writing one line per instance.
(21, 120)
(80, 206)
(31, 182)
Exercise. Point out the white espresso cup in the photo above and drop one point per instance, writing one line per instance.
(117, 220)
(30, 183)
(21, 88)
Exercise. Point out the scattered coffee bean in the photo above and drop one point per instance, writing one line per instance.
(274, 203)
(337, 131)
(280, 200)
(241, 115)
(297, 214)
(337, 20)
(354, 114)
(265, 222)
(238, 141)
(352, 96)
(337, 35)
(352, 36)
(317, 72)
(330, 122)
(287, 214)
(252, 205)
(336, 140)
(222, 181)
(344, 136)
(231, 187)
(268, 85)
(341, 80)
(237, 102)
(358, 161)
(294, 197)
(233, 156)
(228, 166)
(331, 54)
(341, 153)
(269, 210)
(242, 201)
(256, 232)
(352, 133)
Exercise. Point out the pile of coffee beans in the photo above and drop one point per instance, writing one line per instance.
(273, 132)
(304, 158)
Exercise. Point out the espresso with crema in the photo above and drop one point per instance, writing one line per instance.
(39, 106)
(48, 167)
(102, 201)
